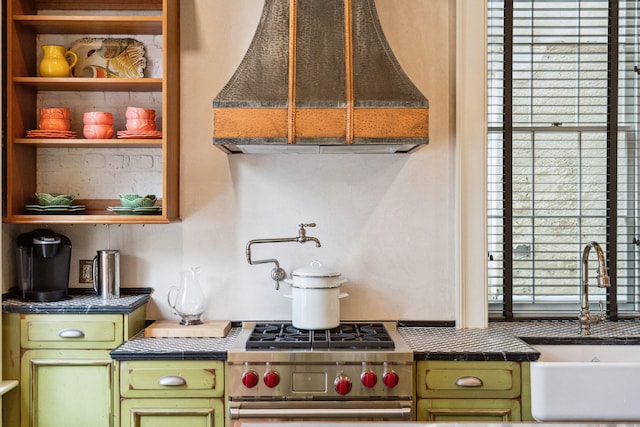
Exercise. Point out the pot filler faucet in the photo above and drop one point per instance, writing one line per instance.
(278, 274)
(586, 318)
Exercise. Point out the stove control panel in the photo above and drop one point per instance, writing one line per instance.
(259, 379)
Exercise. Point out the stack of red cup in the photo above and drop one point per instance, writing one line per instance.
(58, 119)
(98, 125)
(140, 119)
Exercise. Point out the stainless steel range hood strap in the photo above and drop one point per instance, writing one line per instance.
(310, 413)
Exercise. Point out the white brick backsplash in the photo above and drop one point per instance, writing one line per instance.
(99, 173)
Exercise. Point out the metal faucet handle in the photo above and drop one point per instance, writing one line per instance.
(278, 275)
(603, 316)
(302, 232)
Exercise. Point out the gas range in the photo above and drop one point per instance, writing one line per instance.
(281, 342)
(346, 336)
(362, 365)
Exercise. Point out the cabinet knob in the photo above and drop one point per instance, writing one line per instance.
(71, 333)
(469, 381)
(172, 380)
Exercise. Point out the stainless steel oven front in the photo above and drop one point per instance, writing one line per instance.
(298, 384)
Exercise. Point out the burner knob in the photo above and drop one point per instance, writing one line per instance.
(342, 384)
(369, 379)
(390, 379)
(250, 379)
(271, 378)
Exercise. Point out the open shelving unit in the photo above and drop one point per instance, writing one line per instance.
(29, 20)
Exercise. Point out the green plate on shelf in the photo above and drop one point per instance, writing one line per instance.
(121, 210)
(54, 209)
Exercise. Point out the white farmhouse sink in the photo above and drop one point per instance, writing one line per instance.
(586, 383)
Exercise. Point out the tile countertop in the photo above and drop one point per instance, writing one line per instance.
(81, 301)
(510, 340)
(500, 341)
(142, 348)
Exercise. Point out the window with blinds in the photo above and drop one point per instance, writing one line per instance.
(563, 154)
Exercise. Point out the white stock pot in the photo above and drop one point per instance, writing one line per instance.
(315, 297)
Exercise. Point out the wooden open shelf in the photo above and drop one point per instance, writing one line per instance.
(90, 143)
(28, 21)
(85, 84)
(99, 4)
(52, 24)
(95, 213)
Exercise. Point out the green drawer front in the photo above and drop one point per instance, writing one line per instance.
(172, 378)
(468, 379)
(469, 410)
(70, 331)
(172, 412)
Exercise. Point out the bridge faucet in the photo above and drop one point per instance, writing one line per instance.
(586, 318)
(278, 274)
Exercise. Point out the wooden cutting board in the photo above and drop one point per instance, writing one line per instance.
(173, 328)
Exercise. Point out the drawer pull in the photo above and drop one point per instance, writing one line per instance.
(468, 382)
(71, 333)
(172, 380)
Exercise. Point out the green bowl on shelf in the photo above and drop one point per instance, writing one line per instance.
(132, 200)
(54, 199)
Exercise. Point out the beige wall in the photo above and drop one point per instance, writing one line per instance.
(388, 223)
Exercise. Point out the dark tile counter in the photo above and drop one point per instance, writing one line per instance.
(81, 303)
(508, 341)
(511, 340)
(141, 348)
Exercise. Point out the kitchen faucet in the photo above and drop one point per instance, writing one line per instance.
(586, 318)
(278, 274)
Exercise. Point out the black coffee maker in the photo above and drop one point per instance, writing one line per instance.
(44, 260)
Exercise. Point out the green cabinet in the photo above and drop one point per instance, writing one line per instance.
(468, 391)
(172, 413)
(67, 388)
(158, 393)
(485, 410)
(67, 377)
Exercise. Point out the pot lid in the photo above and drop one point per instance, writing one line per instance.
(315, 269)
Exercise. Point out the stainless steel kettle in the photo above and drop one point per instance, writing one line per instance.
(106, 274)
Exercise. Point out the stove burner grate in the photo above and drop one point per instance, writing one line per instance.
(346, 336)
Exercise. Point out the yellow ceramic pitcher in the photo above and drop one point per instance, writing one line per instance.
(55, 61)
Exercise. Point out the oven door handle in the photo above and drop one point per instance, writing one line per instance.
(400, 412)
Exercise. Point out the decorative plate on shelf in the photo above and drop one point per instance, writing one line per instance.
(142, 134)
(122, 210)
(109, 57)
(54, 209)
(42, 133)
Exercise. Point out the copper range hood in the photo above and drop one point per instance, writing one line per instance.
(320, 77)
